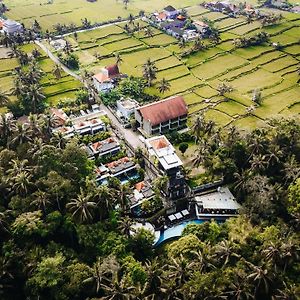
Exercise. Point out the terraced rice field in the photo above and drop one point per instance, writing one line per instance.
(197, 76)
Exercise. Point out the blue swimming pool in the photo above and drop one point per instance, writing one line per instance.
(176, 231)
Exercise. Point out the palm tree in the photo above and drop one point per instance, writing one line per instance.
(290, 292)
(198, 127)
(225, 250)
(18, 166)
(291, 169)
(182, 43)
(4, 99)
(34, 125)
(125, 225)
(163, 86)
(105, 199)
(119, 59)
(125, 2)
(130, 18)
(7, 126)
(202, 153)
(154, 274)
(58, 140)
(117, 289)
(21, 135)
(149, 31)
(41, 200)
(224, 88)
(21, 183)
(149, 71)
(57, 72)
(35, 95)
(241, 183)
(258, 163)
(82, 208)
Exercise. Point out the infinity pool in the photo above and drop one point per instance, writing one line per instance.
(176, 231)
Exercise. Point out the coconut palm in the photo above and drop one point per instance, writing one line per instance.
(224, 251)
(21, 183)
(35, 96)
(58, 140)
(154, 274)
(291, 169)
(125, 225)
(34, 125)
(18, 166)
(82, 208)
(7, 126)
(258, 163)
(119, 59)
(40, 200)
(57, 72)
(163, 86)
(4, 99)
(21, 135)
(149, 31)
(182, 43)
(125, 2)
(149, 71)
(117, 289)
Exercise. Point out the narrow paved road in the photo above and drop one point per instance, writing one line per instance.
(131, 137)
(57, 61)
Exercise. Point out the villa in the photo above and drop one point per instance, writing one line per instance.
(142, 192)
(162, 116)
(109, 146)
(59, 115)
(162, 150)
(107, 78)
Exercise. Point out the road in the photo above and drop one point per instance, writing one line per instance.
(57, 61)
(131, 137)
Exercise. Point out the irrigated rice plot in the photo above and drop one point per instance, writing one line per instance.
(253, 51)
(167, 63)
(241, 30)
(231, 108)
(280, 64)
(214, 16)
(218, 66)
(267, 57)
(284, 39)
(229, 22)
(248, 123)
(293, 50)
(173, 73)
(202, 56)
(159, 40)
(196, 10)
(258, 79)
(218, 117)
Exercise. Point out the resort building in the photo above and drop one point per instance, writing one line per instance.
(142, 192)
(217, 202)
(122, 167)
(60, 117)
(162, 116)
(126, 108)
(11, 27)
(109, 146)
(106, 79)
(164, 153)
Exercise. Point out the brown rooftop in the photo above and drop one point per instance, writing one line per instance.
(164, 110)
(113, 70)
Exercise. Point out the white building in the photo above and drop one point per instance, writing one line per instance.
(217, 202)
(11, 27)
(126, 108)
(170, 11)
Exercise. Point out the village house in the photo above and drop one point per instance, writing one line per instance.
(170, 11)
(11, 27)
(163, 152)
(201, 26)
(60, 117)
(109, 146)
(107, 78)
(162, 116)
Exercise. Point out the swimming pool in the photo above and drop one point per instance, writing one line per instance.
(176, 231)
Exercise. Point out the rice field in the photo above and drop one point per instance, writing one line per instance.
(197, 76)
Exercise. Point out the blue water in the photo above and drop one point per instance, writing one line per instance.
(176, 231)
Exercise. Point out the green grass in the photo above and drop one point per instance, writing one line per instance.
(248, 123)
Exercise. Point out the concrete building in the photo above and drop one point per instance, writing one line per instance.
(164, 153)
(11, 27)
(126, 108)
(170, 11)
(109, 146)
(106, 79)
(216, 202)
(201, 26)
(162, 116)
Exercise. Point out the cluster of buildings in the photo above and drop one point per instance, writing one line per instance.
(175, 23)
(86, 122)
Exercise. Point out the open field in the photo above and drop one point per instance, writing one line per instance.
(197, 76)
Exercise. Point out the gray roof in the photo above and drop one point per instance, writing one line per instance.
(169, 8)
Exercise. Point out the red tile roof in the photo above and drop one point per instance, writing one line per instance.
(164, 110)
(140, 185)
(160, 143)
(100, 77)
(113, 71)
